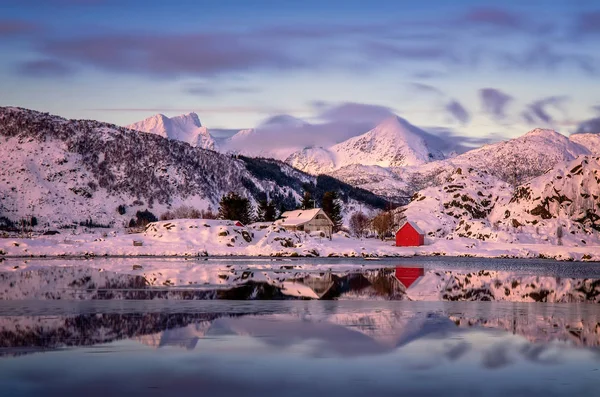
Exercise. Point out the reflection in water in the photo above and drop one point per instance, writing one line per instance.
(345, 329)
(299, 329)
(240, 282)
(308, 348)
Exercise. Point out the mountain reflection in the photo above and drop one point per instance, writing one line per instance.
(333, 332)
(239, 282)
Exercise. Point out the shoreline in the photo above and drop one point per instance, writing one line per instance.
(372, 257)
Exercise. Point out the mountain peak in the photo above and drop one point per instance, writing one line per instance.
(543, 132)
(191, 118)
(185, 127)
(396, 126)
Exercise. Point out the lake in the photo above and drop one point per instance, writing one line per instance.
(248, 326)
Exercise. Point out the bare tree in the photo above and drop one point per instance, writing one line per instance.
(383, 223)
(183, 212)
(359, 223)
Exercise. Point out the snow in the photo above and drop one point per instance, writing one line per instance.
(297, 217)
(186, 128)
(392, 143)
(590, 141)
(197, 237)
(413, 225)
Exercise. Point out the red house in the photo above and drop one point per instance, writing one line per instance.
(409, 235)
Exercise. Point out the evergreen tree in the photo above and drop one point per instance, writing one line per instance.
(236, 208)
(266, 211)
(332, 207)
(307, 201)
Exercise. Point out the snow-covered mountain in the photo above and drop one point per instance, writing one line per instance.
(393, 143)
(520, 159)
(66, 172)
(186, 128)
(590, 141)
(558, 207)
(514, 161)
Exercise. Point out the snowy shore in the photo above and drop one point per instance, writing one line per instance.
(193, 238)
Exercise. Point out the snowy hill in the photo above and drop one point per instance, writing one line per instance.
(514, 161)
(186, 128)
(589, 141)
(392, 143)
(558, 207)
(520, 159)
(65, 172)
(567, 198)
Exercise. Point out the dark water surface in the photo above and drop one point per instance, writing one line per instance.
(388, 328)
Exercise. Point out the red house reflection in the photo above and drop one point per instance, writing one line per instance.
(408, 275)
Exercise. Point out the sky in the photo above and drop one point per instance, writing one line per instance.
(479, 69)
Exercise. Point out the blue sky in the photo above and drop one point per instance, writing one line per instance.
(477, 68)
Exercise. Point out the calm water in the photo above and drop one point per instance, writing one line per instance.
(335, 327)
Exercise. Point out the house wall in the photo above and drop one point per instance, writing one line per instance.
(409, 237)
(314, 225)
(321, 225)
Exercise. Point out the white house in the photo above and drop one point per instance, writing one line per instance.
(309, 221)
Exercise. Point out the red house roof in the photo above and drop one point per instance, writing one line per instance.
(414, 226)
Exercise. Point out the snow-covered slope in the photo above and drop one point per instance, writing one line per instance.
(561, 206)
(72, 171)
(566, 198)
(186, 128)
(459, 207)
(590, 141)
(520, 159)
(396, 159)
(314, 160)
(393, 143)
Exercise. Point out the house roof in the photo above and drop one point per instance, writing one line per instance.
(299, 217)
(414, 226)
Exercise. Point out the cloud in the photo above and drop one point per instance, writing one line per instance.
(588, 23)
(320, 31)
(208, 91)
(425, 88)
(496, 17)
(494, 102)
(589, 126)
(354, 112)
(172, 54)
(389, 51)
(204, 110)
(538, 111)
(283, 134)
(596, 108)
(427, 74)
(543, 56)
(458, 111)
(10, 27)
(45, 68)
(457, 142)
